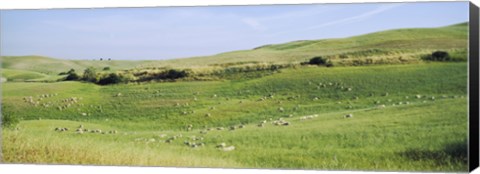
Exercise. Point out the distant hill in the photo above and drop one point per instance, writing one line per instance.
(403, 43)
(412, 40)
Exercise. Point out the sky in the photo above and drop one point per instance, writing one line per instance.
(179, 32)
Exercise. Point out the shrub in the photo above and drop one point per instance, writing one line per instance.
(318, 61)
(106, 68)
(68, 72)
(90, 75)
(111, 78)
(72, 76)
(175, 74)
(438, 56)
(8, 119)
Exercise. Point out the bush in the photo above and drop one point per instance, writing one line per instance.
(175, 74)
(439, 56)
(111, 78)
(106, 68)
(90, 75)
(72, 76)
(318, 61)
(8, 119)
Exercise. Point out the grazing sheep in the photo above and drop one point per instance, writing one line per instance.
(348, 116)
(229, 148)
(84, 114)
(432, 98)
(212, 108)
(349, 89)
(79, 131)
(381, 106)
(219, 128)
(281, 109)
(285, 124)
(261, 125)
(208, 115)
(221, 145)
(214, 95)
(241, 126)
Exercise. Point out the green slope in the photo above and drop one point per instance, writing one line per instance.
(51, 66)
(390, 45)
(21, 75)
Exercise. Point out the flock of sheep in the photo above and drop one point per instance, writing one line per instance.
(81, 130)
(196, 142)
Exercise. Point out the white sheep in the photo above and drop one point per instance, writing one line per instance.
(229, 148)
(348, 116)
(221, 145)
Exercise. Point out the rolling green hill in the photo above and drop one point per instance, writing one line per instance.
(390, 46)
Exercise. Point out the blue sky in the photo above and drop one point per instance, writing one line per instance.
(176, 32)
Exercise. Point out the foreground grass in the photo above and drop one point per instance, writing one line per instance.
(415, 137)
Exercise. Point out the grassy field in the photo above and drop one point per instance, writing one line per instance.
(426, 134)
(399, 113)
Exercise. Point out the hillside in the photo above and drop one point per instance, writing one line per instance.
(392, 43)
(385, 47)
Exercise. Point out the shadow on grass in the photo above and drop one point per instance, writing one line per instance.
(451, 153)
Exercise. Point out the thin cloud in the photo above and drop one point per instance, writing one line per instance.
(357, 17)
(259, 23)
(254, 24)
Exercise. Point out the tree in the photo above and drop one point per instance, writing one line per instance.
(90, 75)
